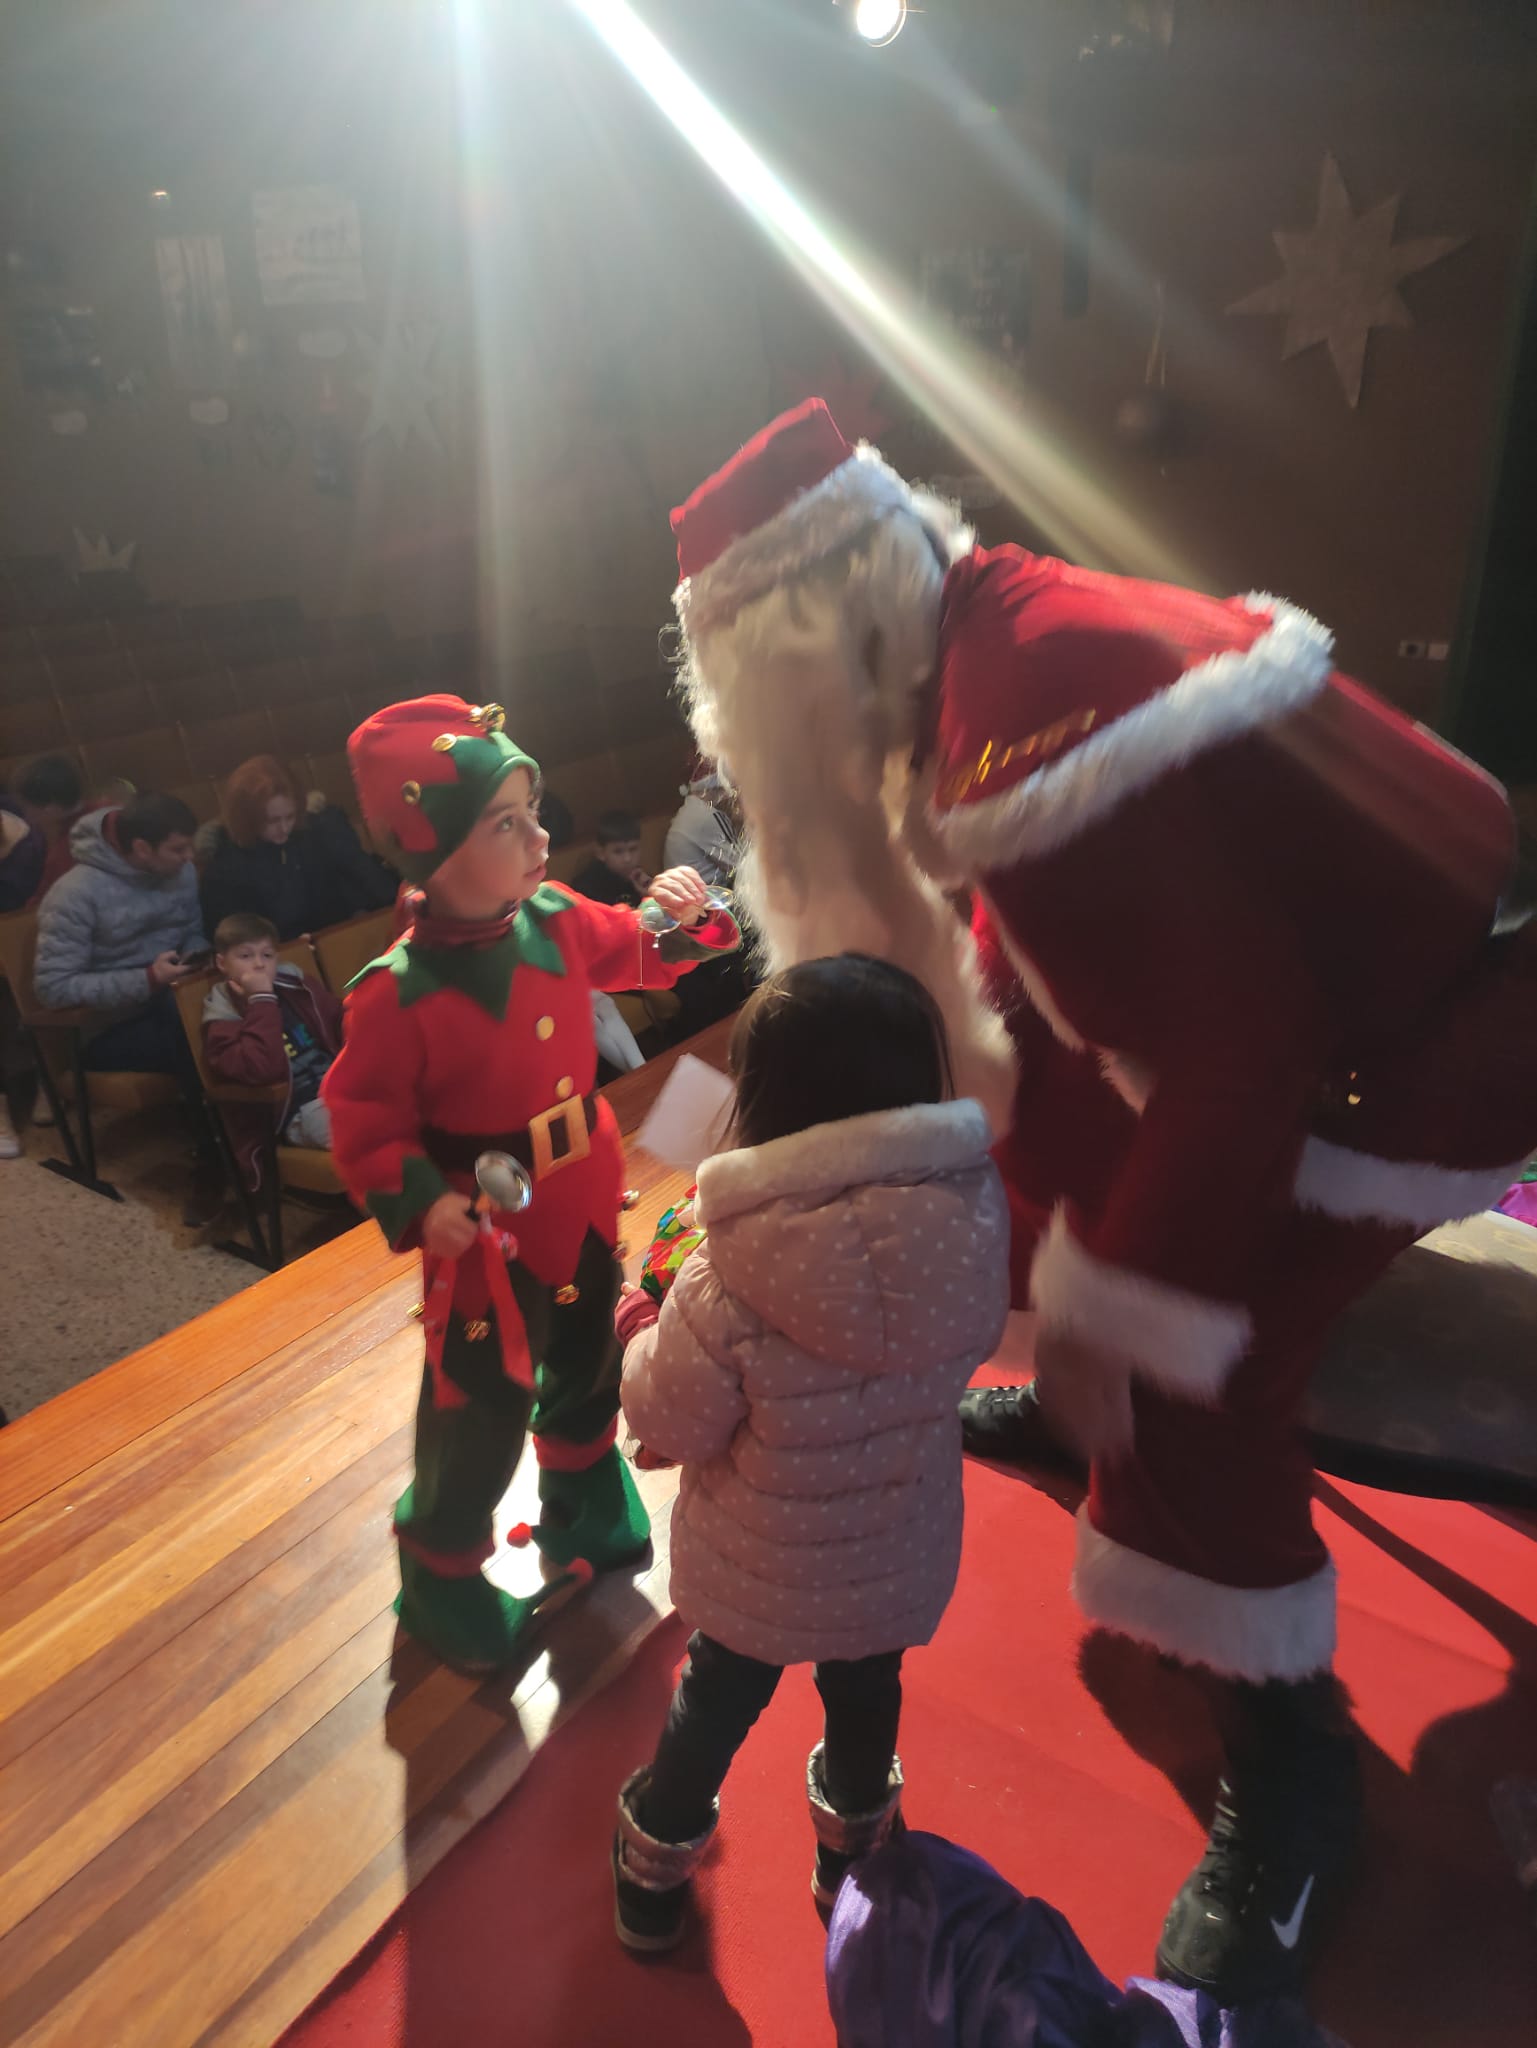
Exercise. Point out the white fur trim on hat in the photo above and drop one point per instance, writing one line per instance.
(831, 515)
(1252, 1632)
(893, 1145)
(1184, 1342)
(1219, 700)
(1360, 1187)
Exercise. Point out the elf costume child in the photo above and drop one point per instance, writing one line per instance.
(474, 1034)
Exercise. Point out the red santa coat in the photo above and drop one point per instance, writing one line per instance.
(1265, 900)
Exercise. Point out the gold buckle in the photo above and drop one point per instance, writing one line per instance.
(573, 1114)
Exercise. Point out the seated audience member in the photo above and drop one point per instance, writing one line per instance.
(115, 935)
(615, 875)
(23, 853)
(47, 796)
(265, 1023)
(301, 871)
(716, 987)
(706, 830)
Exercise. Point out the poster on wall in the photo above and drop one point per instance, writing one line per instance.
(985, 293)
(309, 246)
(199, 325)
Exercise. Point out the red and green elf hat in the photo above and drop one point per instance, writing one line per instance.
(425, 770)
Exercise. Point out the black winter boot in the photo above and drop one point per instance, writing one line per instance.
(843, 1837)
(1248, 1918)
(1007, 1423)
(652, 1879)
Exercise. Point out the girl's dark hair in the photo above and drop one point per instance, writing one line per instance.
(831, 1039)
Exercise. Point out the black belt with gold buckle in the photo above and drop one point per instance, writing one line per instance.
(555, 1138)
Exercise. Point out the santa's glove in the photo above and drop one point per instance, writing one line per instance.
(636, 1312)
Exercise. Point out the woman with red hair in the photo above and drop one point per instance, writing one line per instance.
(301, 867)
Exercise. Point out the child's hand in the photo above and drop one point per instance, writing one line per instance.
(681, 893)
(636, 1312)
(255, 978)
(448, 1228)
(650, 1461)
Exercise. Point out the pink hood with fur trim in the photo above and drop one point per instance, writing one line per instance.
(805, 1371)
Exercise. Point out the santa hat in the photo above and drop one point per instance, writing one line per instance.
(795, 493)
(425, 770)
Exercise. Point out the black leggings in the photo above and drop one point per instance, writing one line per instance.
(722, 1693)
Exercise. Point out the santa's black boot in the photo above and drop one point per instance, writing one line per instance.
(1007, 1423)
(1248, 1918)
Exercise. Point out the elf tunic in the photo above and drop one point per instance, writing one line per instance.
(1264, 905)
(451, 1049)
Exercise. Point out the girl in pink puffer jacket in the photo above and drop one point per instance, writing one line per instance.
(805, 1371)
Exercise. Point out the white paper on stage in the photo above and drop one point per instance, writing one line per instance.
(688, 1119)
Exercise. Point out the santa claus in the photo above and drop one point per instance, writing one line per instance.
(1236, 994)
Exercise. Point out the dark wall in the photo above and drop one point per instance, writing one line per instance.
(610, 323)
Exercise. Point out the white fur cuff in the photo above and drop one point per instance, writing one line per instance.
(1256, 1633)
(1185, 1342)
(1361, 1188)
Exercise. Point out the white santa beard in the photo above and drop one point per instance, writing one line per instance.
(851, 888)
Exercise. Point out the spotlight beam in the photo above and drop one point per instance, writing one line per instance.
(951, 380)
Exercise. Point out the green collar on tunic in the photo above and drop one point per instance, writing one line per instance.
(483, 973)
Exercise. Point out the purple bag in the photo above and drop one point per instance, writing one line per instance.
(930, 1948)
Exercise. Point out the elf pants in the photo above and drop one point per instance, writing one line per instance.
(720, 1696)
(466, 1455)
(1201, 1542)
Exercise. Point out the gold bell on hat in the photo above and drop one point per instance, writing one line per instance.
(489, 717)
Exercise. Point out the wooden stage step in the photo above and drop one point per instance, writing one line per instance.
(220, 1770)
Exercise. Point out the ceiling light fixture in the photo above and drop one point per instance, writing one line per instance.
(879, 22)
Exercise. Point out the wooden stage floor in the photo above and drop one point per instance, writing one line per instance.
(219, 1770)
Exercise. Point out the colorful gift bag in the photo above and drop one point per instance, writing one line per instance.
(676, 1236)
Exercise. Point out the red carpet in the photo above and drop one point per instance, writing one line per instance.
(1012, 1749)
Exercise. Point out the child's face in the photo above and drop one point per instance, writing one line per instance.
(622, 855)
(503, 859)
(252, 960)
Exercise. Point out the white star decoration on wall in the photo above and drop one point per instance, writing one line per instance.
(398, 382)
(1341, 278)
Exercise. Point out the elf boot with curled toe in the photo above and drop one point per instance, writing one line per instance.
(1250, 1916)
(652, 1878)
(593, 1512)
(844, 1837)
